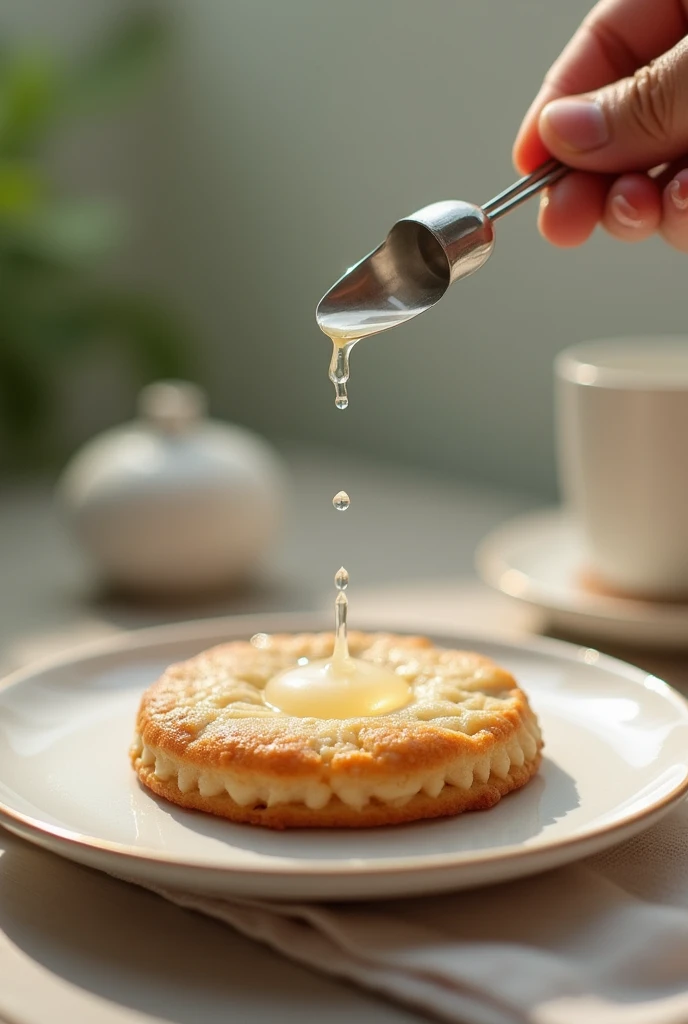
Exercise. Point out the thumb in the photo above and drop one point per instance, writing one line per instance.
(633, 124)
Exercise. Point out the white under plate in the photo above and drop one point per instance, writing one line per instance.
(616, 760)
(538, 558)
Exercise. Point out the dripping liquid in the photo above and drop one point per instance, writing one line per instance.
(339, 369)
(347, 328)
(340, 687)
(341, 608)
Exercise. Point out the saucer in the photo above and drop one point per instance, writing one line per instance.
(537, 559)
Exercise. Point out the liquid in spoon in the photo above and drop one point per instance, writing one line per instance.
(345, 329)
(341, 687)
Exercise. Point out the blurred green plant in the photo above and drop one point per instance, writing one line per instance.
(52, 307)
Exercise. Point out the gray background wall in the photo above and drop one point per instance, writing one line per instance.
(285, 139)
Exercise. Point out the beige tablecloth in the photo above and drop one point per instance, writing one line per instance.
(601, 942)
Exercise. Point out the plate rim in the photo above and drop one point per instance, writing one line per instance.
(492, 563)
(299, 869)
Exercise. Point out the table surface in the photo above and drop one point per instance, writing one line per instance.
(81, 947)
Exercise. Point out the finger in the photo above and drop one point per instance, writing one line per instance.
(633, 210)
(616, 38)
(571, 209)
(632, 124)
(674, 227)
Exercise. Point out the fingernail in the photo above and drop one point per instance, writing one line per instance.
(625, 212)
(678, 193)
(579, 124)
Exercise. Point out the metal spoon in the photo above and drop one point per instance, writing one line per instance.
(422, 255)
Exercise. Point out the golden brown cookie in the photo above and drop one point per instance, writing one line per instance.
(206, 739)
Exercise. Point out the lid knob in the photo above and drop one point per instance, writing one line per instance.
(172, 406)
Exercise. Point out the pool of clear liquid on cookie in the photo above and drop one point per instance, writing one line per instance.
(342, 686)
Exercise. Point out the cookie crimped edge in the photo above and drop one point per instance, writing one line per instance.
(452, 800)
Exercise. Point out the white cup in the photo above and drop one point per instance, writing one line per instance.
(622, 431)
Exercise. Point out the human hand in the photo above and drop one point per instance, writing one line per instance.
(625, 78)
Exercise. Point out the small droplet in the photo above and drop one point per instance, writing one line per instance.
(341, 501)
(342, 402)
(341, 579)
(261, 640)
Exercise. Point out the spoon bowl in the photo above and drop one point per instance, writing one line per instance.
(409, 272)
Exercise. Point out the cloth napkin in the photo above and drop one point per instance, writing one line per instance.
(604, 941)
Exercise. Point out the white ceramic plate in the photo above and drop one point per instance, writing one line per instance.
(537, 559)
(616, 759)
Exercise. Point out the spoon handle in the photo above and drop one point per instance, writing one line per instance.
(524, 188)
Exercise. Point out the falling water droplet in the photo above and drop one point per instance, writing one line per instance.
(341, 501)
(341, 579)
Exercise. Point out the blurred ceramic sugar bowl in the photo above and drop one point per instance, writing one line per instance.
(174, 502)
(622, 424)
